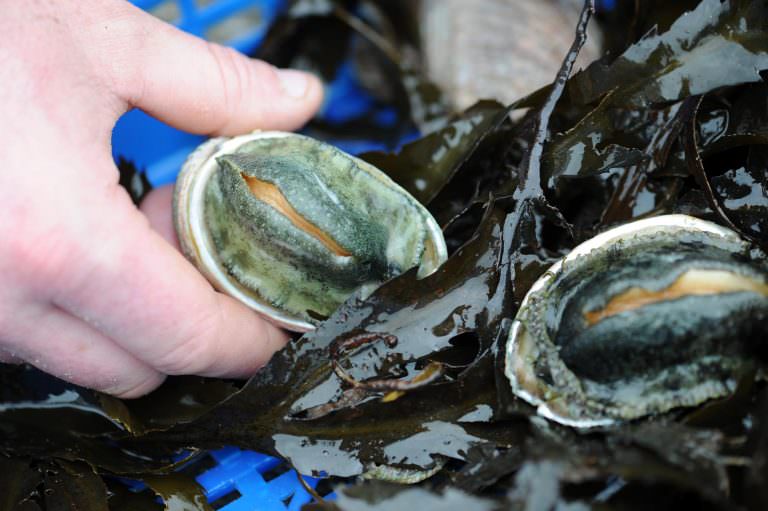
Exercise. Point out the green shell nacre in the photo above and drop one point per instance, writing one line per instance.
(300, 225)
(699, 314)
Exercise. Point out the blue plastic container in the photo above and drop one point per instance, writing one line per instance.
(240, 476)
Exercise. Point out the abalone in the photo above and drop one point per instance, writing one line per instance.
(293, 226)
(657, 314)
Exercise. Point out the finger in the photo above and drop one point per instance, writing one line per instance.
(156, 206)
(7, 357)
(59, 344)
(157, 306)
(206, 88)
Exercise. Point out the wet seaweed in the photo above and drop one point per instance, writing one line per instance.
(133, 180)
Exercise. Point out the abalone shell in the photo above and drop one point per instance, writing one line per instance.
(661, 313)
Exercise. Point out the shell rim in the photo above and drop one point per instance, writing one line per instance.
(677, 222)
(196, 244)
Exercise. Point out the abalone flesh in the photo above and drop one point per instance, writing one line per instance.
(657, 314)
(292, 226)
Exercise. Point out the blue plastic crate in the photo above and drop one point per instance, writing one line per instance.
(242, 473)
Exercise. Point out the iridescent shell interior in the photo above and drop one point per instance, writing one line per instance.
(293, 226)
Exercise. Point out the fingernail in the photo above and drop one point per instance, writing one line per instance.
(294, 83)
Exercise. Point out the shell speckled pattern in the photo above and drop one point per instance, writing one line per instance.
(292, 226)
(661, 313)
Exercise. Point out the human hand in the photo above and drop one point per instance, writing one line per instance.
(90, 291)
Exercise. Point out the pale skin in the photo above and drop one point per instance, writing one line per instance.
(92, 289)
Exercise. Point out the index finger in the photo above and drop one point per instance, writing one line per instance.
(199, 86)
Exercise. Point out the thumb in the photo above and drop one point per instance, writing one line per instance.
(203, 87)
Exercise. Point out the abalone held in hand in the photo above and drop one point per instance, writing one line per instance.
(657, 314)
(292, 226)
